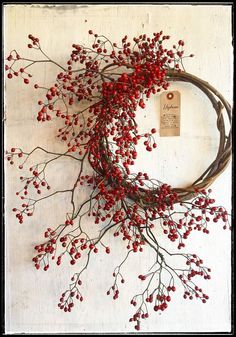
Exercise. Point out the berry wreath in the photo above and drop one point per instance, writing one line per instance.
(113, 81)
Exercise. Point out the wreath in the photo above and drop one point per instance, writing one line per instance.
(110, 82)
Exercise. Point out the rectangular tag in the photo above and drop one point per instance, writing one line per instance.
(170, 114)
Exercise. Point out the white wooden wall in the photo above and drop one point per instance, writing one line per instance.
(32, 296)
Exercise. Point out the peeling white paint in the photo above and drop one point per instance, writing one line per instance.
(31, 296)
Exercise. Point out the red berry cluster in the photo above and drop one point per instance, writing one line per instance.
(192, 216)
(159, 296)
(67, 298)
(12, 71)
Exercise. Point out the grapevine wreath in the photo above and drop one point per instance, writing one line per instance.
(110, 82)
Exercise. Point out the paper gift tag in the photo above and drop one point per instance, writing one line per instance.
(170, 114)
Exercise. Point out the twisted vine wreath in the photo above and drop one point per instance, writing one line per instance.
(113, 81)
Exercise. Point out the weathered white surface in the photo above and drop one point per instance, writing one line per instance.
(31, 296)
